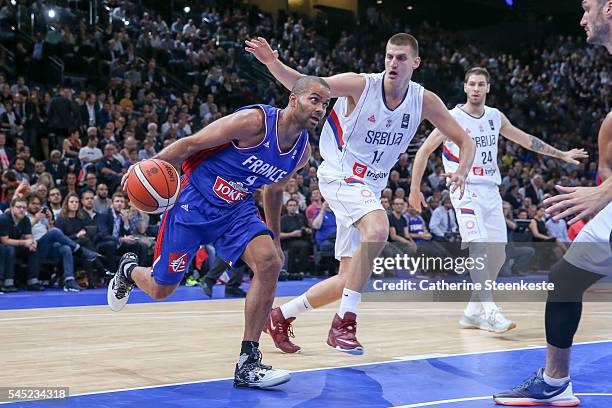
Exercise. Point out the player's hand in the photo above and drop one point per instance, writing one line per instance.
(572, 156)
(416, 200)
(260, 48)
(581, 202)
(455, 181)
(125, 176)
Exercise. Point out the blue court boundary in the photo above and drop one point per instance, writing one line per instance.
(463, 380)
(97, 297)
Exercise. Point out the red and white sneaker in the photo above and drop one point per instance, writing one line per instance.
(342, 334)
(280, 330)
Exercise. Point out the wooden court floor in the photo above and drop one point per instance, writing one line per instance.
(93, 349)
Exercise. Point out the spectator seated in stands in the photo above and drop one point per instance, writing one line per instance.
(295, 238)
(443, 223)
(399, 239)
(101, 201)
(518, 257)
(109, 168)
(55, 201)
(53, 245)
(540, 233)
(323, 223)
(16, 242)
(56, 167)
(90, 154)
(114, 238)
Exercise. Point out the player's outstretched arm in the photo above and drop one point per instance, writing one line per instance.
(437, 114)
(273, 201)
(347, 84)
(511, 132)
(416, 199)
(246, 125)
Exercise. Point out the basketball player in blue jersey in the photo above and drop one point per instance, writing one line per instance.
(224, 163)
(588, 259)
(479, 212)
(369, 126)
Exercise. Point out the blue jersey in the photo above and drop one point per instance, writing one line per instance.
(216, 206)
(228, 174)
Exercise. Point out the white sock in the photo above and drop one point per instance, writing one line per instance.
(489, 307)
(555, 382)
(473, 308)
(350, 300)
(295, 307)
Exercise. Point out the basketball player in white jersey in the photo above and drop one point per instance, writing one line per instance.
(588, 259)
(370, 125)
(479, 212)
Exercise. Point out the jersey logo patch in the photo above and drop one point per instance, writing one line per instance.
(405, 121)
(478, 171)
(177, 262)
(229, 191)
(389, 123)
(267, 144)
(372, 119)
(491, 124)
(359, 169)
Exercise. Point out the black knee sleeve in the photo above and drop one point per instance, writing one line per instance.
(564, 304)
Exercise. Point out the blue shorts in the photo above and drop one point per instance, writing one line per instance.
(193, 222)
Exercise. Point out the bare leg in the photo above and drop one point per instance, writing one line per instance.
(262, 258)
(145, 281)
(330, 289)
(374, 228)
(557, 361)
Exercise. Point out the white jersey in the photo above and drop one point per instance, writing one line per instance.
(485, 133)
(365, 145)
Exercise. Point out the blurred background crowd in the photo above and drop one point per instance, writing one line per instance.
(89, 88)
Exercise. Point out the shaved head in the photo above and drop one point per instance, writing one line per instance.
(302, 84)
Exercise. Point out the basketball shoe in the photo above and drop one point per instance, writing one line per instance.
(251, 373)
(280, 330)
(535, 391)
(494, 321)
(342, 334)
(119, 288)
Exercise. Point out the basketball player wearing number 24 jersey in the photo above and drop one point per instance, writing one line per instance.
(224, 163)
(370, 125)
(479, 212)
(588, 259)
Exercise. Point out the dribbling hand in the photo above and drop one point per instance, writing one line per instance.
(260, 48)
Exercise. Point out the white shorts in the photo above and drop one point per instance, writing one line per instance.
(480, 214)
(592, 247)
(349, 199)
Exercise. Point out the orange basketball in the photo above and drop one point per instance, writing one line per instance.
(153, 186)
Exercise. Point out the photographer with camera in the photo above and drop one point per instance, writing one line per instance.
(295, 238)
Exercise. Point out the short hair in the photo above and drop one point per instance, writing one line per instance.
(302, 84)
(118, 194)
(17, 200)
(290, 200)
(32, 196)
(477, 71)
(405, 39)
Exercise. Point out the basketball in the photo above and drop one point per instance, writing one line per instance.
(153, 186)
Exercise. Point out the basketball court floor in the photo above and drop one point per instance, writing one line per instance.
(181, 353)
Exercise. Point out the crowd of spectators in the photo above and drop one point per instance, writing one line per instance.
(64, 147)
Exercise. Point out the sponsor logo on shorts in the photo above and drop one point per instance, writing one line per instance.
(229, 191)
(177, 262)
(359, 169)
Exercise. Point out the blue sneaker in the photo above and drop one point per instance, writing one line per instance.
(534, 391)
